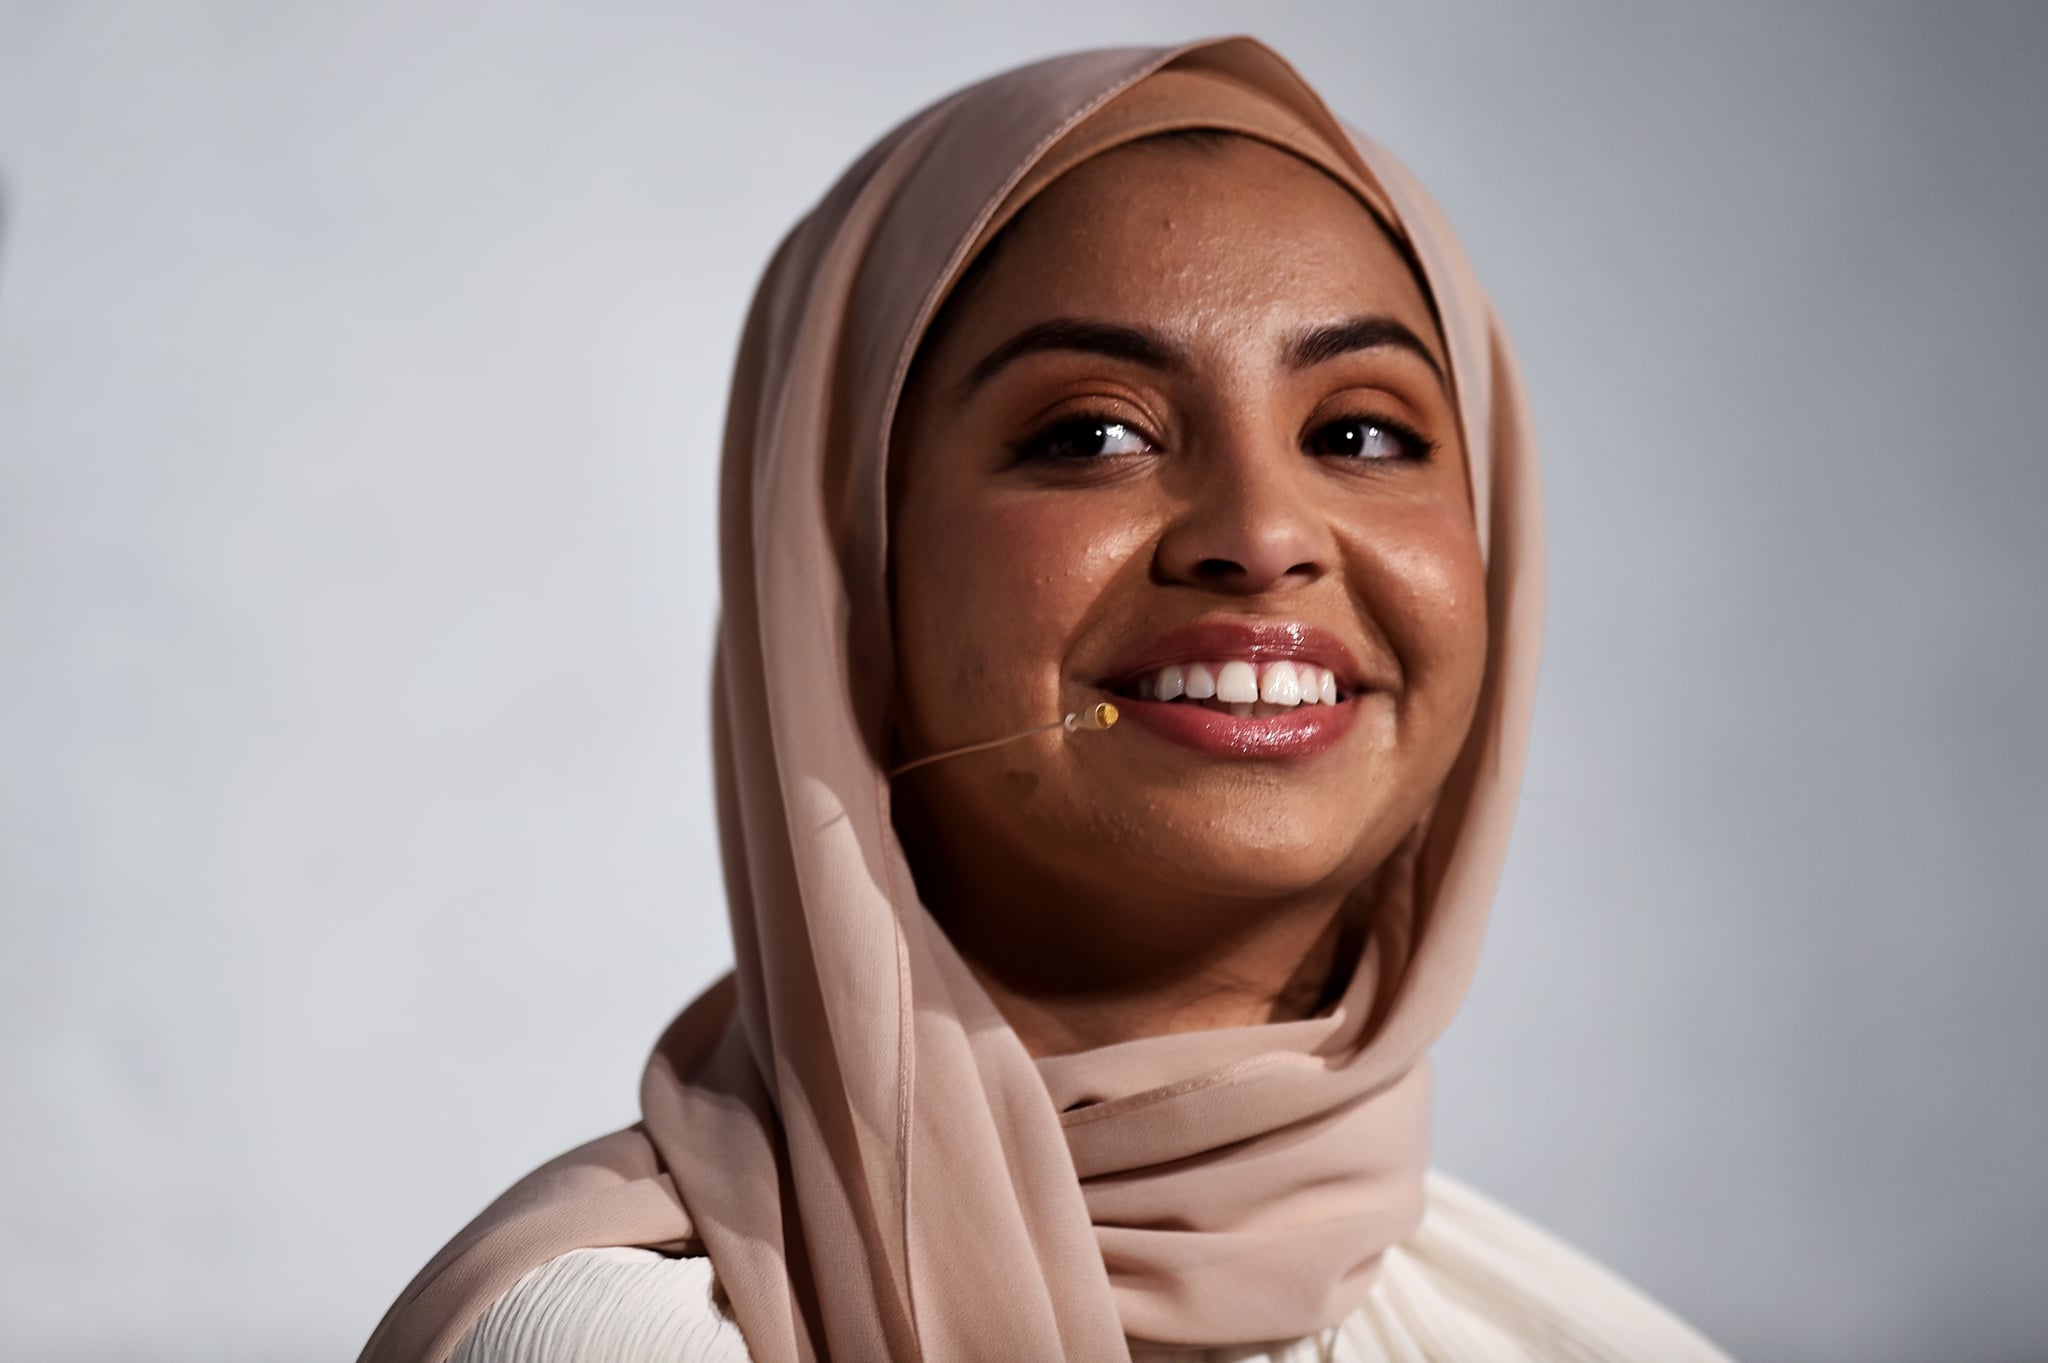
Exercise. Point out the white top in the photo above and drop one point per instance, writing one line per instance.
(1474, 1284)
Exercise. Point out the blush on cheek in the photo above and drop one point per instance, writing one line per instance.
(1037, 566)
(991, 593)
(1433, 603)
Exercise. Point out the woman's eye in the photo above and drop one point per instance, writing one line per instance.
(1088, 438)
(1369, 438)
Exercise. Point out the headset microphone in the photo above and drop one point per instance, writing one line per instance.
(1099, 716)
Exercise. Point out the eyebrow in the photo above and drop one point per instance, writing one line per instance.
(1077, 334)
(1316, 344)
(1304, 350)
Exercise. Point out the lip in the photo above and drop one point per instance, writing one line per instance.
(1297, 733)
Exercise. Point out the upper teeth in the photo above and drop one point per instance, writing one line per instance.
(1241, 683)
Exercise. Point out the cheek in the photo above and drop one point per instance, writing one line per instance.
(991, 592)
(1430, 585)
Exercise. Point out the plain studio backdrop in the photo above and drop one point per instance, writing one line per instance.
(361, 375)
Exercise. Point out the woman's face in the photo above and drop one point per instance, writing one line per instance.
(1187, 433)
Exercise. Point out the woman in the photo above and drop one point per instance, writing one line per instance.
(1070, 1044)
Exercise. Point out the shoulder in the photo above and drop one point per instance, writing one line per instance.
(1473, 1281)
(608, 1306)
(1477, 1281)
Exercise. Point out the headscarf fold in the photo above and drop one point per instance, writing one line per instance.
(846, 1125)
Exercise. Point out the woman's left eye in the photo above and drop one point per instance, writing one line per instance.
(1369, 438)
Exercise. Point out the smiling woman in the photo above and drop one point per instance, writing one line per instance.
(1194, 378)
(1128, 379)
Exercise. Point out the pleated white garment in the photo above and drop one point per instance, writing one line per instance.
(1474, 1284)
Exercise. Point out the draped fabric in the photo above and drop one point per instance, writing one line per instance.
(1474, 1283)
(846, 1126)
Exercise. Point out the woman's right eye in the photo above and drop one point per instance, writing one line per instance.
(1086, 438)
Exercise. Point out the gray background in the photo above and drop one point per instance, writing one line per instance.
(361, 368)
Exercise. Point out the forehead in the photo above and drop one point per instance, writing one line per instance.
(1216, 234)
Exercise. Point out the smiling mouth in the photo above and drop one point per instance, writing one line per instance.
(1239, 687)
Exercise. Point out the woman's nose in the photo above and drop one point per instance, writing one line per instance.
(1251, 524)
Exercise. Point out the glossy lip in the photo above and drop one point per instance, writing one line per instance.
(1300, 732)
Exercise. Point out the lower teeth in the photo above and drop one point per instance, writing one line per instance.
(1241, 709)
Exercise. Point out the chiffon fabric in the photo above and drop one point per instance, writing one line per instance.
(846, 1126)
(1473, 1284)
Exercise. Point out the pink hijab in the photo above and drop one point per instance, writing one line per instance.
(846, 1125)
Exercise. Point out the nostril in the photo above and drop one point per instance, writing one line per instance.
(1230, 570)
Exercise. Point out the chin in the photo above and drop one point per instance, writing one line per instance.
(1272, 856)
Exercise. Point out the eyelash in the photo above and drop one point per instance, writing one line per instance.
(1419, 447)
(1040, 446)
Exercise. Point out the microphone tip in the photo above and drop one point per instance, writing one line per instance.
(1098, 716)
